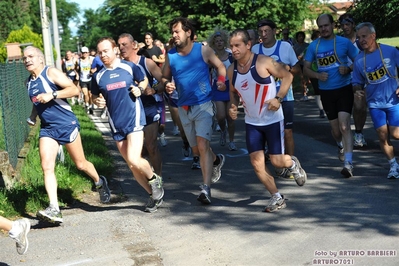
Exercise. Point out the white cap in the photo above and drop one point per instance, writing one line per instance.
(85, 49)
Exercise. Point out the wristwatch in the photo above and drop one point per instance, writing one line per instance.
(279, 99)
(55, 94)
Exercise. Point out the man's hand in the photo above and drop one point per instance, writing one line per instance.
(170, 87)
(323, 76)
(274, 104)
(343, 70)
(100, 101)
(136, 91)
(221, 86)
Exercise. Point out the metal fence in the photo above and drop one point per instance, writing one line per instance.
(15, 108)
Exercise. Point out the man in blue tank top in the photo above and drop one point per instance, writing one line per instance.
(375, 77)
(121, 84)
(331, 53)
(188, 64)
(48, 89)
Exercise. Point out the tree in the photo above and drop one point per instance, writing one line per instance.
(14, 14)
(139, 16)
(92, 28)
(383, 14)
(24, 35)
(66, 11)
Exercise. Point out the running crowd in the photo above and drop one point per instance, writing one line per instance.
(203, 85)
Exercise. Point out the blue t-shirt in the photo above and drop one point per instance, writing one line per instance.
(380, 79)
(329, 55)
(191, 76)
(97, 63)
(124, 109)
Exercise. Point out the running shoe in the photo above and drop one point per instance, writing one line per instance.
(157, 187)
(205, 194)
(341, 155)
(297, 171)
(358, 140)
(232, 146)
(175, 131)
(186, 150)
(30, 121)
(304, 99)
(162, 140)
(104, 113)
(393, 173)
(22, 226)
(152, 205)
(103, 190)
(217, 169)
(284, 173)
(50, 214)
(347, 171)
(60, 154)
(196, 163)
(275, 203)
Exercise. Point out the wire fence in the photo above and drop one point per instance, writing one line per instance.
(15, 109)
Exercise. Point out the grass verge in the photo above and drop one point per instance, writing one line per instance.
(29, 194)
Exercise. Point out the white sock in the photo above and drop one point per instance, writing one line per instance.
(277, 195)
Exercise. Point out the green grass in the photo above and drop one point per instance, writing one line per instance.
(390, 41)
(29, 195)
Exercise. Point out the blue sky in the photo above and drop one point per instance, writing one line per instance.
(84, 4)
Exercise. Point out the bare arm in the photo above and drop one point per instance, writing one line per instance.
(276, 70)
(233, 104)
(307, 71)
(167, 77)
(68, 88)
(156, 72)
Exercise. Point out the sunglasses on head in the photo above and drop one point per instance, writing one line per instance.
(347, 20)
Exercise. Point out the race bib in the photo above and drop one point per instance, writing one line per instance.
(377, 75)
(327, 60)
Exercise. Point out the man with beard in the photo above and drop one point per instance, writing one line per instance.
(331, 54)
(188, 64)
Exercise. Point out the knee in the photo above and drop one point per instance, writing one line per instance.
(81, 165)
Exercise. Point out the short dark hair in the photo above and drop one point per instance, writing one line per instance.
(149, 33)
(186, 25)
(243, 33)
(330, 18)
(300, 33)
(266, 22)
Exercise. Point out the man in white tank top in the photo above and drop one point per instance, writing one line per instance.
(252, 77)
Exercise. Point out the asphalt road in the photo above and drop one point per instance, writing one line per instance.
(329, 221)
